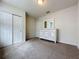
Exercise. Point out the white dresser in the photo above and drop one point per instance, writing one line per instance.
(48, 34)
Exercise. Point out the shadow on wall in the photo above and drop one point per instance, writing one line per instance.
(2, 51)
(0, 1)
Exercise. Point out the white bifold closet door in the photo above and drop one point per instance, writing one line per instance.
(11, 29)
(17, 29)
(5, 29)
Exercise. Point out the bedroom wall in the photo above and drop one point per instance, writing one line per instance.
(65, 21)
(78, 27)
(14, 10)
(30, 27)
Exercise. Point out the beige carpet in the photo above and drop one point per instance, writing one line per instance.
(39, 49)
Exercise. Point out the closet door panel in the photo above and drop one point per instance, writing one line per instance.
(17, 29)
(5, 29)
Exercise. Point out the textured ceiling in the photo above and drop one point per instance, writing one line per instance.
(35, 10)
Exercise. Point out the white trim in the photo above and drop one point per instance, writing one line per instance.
(78, 47)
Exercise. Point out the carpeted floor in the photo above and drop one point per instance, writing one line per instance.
(39, 49)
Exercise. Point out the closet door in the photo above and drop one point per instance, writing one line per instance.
(5, 29)
(17, 29)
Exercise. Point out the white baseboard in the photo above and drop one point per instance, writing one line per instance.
(78, 47)
(68, 43)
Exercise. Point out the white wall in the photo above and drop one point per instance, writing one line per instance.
(78, 27)
(65, 21)
(14, 10)
(31, 27)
